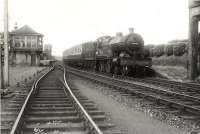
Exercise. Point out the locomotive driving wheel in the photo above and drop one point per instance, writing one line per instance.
(101, 67)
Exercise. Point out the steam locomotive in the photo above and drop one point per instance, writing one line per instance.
(120, 55)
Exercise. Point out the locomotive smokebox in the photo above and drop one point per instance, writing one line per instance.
(128, 43)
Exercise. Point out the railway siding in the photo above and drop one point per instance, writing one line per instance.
(185, 106)
(128, 112)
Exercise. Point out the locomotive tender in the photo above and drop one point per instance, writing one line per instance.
(123, 55)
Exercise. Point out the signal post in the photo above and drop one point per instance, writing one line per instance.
(1, 67)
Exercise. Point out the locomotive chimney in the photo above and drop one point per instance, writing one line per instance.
(119, 34)
(131, 30)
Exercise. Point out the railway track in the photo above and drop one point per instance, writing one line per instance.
(182, 87)
(184, 105)
(188, 88)
(52, 106)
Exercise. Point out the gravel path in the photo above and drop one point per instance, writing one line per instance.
(124, 117)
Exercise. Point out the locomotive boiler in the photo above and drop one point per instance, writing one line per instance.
(120, 55)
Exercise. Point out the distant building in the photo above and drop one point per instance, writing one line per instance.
(25, 46)
(47, 52)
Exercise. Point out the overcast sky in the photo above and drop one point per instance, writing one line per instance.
(65, 23)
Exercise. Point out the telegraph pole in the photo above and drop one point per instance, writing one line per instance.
(1, 67)
(6, 54)
(194, 13)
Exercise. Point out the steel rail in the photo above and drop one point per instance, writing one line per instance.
(19, 117)
(166, 83)
(96, 128)
(163, 90)
(144, 88)
(161, 82)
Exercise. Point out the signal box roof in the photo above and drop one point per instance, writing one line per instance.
(25, 30)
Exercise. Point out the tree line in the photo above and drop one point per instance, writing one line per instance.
(174, 47)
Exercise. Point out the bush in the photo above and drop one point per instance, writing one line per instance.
(148, 50)
(151, 51)
(171, 60)
(179, 49)
(169, 50)
(159, 50)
